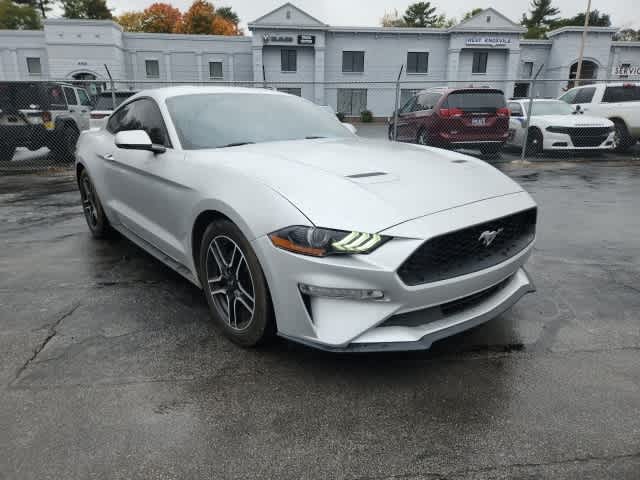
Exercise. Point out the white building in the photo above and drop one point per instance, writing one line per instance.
(349, 68)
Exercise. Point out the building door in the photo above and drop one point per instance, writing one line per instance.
(521, 90)
(589, 72)
(89, 82)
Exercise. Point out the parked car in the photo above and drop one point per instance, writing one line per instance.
(555, 126)
(294, 225)
(103, 106)
(455, 118)
(619, 102)
(36, 115)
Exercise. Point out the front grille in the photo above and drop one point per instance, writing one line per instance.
(588, 136)
(465, 251)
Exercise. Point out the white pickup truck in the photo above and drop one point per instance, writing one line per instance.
(619, 102)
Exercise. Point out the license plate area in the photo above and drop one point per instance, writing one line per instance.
(478, 121)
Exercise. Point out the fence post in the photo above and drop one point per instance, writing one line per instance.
(113, 88)
(528, 120)
(395, 110)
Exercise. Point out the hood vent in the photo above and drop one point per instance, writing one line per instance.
(365, 175)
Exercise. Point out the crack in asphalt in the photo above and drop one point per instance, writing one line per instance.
(53, 331)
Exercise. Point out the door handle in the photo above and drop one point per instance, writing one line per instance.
(106, 156)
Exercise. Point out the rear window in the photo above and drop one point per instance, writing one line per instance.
(29, 96)
(476, 101)
(625, 93)
(105, 101)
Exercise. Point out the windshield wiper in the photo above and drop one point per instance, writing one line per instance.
(311, 137)
(235, 144)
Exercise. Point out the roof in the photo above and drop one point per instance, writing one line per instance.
(488, 20)
(168, 92)
(558, 31)
(274, 19)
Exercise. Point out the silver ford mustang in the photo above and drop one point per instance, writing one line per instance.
(293, 225)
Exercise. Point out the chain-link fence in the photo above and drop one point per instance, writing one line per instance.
(40, 122)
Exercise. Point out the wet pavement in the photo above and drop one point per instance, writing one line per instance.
(110, 367)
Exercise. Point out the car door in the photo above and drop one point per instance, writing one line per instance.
(147, 190)
(73, 106)
(84, 113)
(404, 116)
(581, 101)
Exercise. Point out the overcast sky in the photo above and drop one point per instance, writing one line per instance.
(368, 12)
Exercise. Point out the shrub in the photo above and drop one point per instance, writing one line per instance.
(366, 116)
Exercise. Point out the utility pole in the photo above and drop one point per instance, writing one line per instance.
(584, 39)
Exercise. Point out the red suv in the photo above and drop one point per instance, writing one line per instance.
(455, 118)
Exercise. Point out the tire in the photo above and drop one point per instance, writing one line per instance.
(491, 149)
(534, 142)
(6, 153)
(97, 221)
(64, 144)
(234, 286)
(423, 137)
(622, 141)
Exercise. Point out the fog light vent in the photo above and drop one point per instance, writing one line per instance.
(342, 293)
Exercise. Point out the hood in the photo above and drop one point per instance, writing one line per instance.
(575, 121)
(365, 185)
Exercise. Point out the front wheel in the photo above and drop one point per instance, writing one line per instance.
(621, 139)
(92, 208)
(6, 153)
(534, 142)
(234, 285)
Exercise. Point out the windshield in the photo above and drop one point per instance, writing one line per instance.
(551, 108)
(213, 120)
(105, 101)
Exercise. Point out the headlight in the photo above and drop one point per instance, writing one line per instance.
(320, 242)
(554, 129)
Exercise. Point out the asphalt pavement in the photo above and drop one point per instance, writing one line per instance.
(111, 368)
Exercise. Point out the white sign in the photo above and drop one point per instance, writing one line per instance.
(625, 70)
(488, 41)
(270, 38)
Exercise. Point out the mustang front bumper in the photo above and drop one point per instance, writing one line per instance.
(408, 317)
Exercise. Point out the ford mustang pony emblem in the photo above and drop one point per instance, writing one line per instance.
(487, 237)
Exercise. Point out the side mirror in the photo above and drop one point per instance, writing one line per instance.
(350, 127)
(137, 140)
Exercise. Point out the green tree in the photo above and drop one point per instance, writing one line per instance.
(86, 9)
(228, 14)
(18, 17)
(628, 35)
(472, 13)
(539, 18)
(596, 19)
(41, 5)
(420, 14)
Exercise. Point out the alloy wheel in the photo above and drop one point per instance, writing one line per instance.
(89, 203)
(230, 283)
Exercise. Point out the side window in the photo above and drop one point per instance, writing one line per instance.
(408, 107)
(147, 117)
(71, 96)
(84, 98)
(625, 93)
(585, 95)
(114, 125)
(516, 110)
(570, 96)
(428, 100)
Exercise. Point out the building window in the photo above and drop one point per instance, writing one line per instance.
(479, 62)
(527, 69)
(353, 61)
(288, 60)
(417, 62)
(352, 101)
(215, 70)
(33, 66)
(153, 68)
(291, 91)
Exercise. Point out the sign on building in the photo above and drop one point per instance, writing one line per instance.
(626, 69)
(488, 41)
